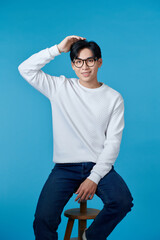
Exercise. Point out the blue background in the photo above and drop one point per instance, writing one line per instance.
(128, 33)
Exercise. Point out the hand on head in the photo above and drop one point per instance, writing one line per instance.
(65, 45)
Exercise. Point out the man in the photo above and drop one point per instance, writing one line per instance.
(88, 120)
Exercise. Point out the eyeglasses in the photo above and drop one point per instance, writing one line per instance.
(78, 62)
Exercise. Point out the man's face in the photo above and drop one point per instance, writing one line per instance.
(85, 73)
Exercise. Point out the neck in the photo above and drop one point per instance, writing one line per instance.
(92, 84)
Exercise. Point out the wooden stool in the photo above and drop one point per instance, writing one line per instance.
(82, 214)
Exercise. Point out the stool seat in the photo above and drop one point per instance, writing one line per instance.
(82, 214)
(74, 213)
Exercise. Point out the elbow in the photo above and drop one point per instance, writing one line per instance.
(20, 68)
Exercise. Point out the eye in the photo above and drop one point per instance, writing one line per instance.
(91, 60)
(78, 61)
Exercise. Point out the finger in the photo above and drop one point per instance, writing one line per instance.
(76, 198)
(83, 197)
(78, 190)
(76, 38)
(91, 196)
(79, 199)
(79, 196)
(88, 196)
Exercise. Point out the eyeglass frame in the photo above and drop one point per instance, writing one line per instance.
(95, 59)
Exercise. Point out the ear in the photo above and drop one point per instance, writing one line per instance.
(72, 64)
(99, 62)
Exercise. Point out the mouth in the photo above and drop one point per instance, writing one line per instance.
(86, 74)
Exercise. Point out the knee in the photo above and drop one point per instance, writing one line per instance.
(38, 224)
(126, 203)
(121, 203)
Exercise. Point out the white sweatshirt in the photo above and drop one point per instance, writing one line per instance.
(87, 122)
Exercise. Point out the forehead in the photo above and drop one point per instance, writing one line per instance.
(85, 53)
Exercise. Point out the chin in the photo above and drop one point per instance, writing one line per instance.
(86, 79)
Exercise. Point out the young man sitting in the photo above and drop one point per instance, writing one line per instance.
(88, 121)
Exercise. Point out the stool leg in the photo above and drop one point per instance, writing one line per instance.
(69, 229)
(81, 227)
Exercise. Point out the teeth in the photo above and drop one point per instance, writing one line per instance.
(86, 73)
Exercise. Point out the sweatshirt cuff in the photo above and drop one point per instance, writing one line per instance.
(54, 51)
(94, 177)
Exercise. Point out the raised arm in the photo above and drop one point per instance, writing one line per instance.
(31, 71)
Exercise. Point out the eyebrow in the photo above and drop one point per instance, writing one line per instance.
(84, 59)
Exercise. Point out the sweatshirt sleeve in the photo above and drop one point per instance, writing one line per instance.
(31, 71)
(111, 144)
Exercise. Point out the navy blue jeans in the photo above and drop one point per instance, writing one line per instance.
(62, 182)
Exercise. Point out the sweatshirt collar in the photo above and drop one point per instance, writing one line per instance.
(91, 89)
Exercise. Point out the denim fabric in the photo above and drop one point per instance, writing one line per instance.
(62, 182)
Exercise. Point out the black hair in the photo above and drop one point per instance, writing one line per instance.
(80, 44)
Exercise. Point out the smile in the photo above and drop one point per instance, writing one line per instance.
(86, 74)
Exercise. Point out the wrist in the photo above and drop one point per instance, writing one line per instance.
(59, 48)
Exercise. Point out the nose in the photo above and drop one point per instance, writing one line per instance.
(84, 65)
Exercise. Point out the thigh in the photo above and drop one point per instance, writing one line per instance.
(56, 192)
(112, 188)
